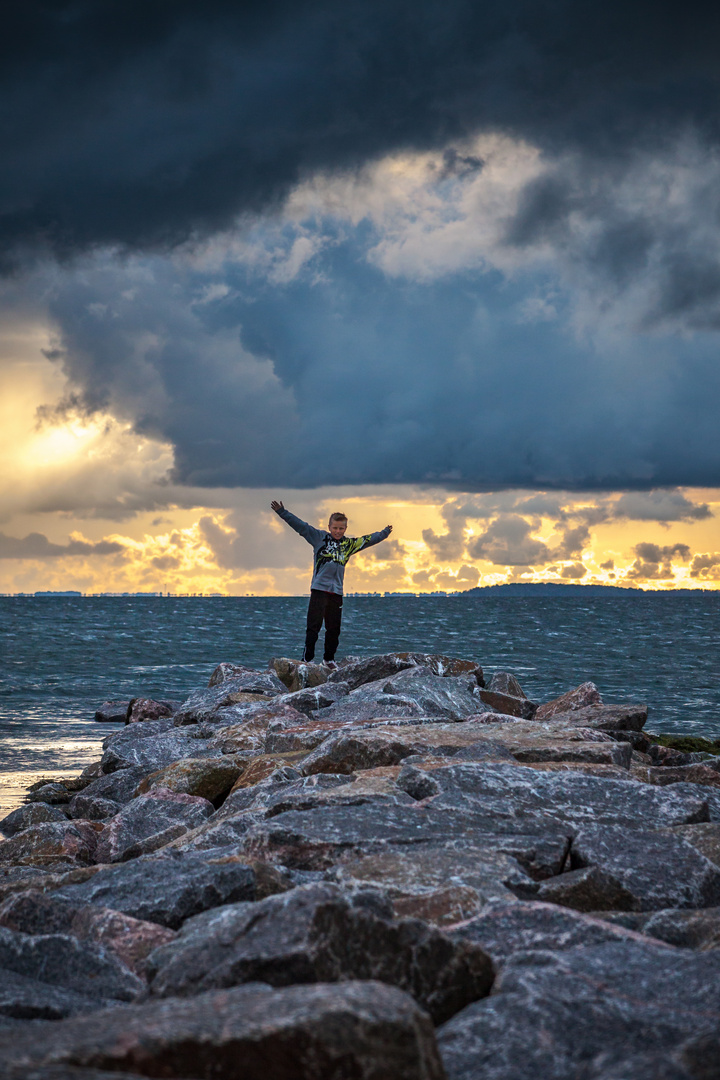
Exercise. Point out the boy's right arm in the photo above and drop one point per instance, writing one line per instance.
(308, 532)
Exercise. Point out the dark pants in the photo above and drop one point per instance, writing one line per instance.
(323, 606)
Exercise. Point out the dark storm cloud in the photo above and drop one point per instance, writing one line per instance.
(141, 123)
(344, 376)
(37, 546)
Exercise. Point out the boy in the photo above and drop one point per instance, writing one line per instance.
(331, 552)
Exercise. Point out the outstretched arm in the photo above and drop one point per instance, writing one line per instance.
(371, 539)
(308, 532)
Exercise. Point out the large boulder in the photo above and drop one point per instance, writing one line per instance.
(685, 929)
(61, 960)
(440, 884)
(585, 694)
(244, 687)
(417, 691)
(130, 940)
(586, 1011)
(92, 807)
(356, 672)
(503, 682)
(247, 734)
(149, 822)
(30, 814)
(675, 774)
(237, 677)
(140, 710)
(35, 912)
(316, 933)
(513, 798)
(297, 675)
(614, 719)
(118, 787)
(24, 998)
(503, 929)
(112, 712)
(705, 837)
(312, 698)
(52, 842)
(660, 871)
(588, 889)
(388, 742)
(507, 703)
(167, 889)
(153, 749)
(55, 793)
(207, 778)
(363, 1030)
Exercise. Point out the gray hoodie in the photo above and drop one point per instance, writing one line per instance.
(330, 556)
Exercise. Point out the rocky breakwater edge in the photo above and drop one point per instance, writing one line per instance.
(397, 870)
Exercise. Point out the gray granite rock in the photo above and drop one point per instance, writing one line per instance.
(317, 933)
(161, 813)
(54, 793)
(130, 940)
(119, 787)
(92, 807)
(417, 691)
(112, 712)
(512, 797)
(141, 710)
(503, 929)
(317, 838)
(167, 889)
(705, 837)
(150, 751)
(608, 718)
(237, 676)
(363, 1030)
(24, 998)
(685, 929)
(441, 884)
(700, 774)
(203, 704)
(34, 912)
(357, 672)
(559, 1015)
(296, 675)
(589, 889)
(503, 682)
(312, 698)
(658, 870)
(501, 702)
(585, 694)
(60, 960)
(30, 814)
(52, 842)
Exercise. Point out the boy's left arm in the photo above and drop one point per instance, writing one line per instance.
(362, 542)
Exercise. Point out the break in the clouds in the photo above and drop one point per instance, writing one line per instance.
(450, 244)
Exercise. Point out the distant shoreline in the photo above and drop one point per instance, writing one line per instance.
(539, 589)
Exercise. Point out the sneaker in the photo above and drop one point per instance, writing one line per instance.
(330, 664)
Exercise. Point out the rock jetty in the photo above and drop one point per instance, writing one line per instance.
(396, 870)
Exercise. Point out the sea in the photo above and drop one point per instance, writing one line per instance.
(61, 657)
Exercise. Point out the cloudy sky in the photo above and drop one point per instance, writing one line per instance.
(453, 266)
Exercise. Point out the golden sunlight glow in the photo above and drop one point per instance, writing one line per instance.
(87, 505)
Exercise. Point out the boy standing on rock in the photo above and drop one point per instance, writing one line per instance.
(331, 552)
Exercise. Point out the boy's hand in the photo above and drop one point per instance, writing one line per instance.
(389, 528)
(276, 506)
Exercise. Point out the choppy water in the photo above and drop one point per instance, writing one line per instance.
(61, 657)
